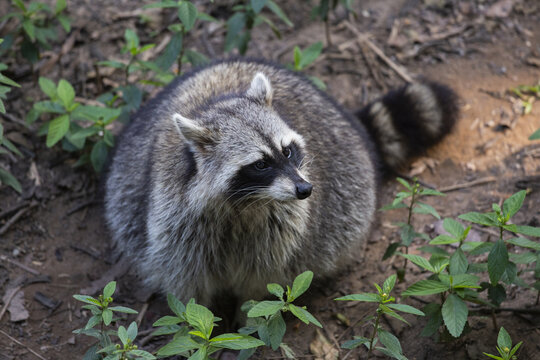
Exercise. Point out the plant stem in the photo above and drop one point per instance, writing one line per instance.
(127, 68)
(181, 55)
(409, 219)
(373, 334)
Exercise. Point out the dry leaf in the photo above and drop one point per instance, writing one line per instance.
(322, 348)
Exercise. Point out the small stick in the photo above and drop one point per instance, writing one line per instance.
(80, 206)
(21, 344)
(468, 184)
(22, 266)
(16, 217)
(141, 314)
(11, 210)
(397, 68)
(8, 301)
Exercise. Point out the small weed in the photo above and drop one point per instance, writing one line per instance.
(265, 317)
(407, 233)
(304, 58)
(37, 24)
(247, 16)
(504, 347)
(6, 147)
(392, 346)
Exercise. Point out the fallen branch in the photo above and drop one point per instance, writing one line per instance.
(16, 217)
(397, 68)
(468, 184)
(18, 264)
(21, 344)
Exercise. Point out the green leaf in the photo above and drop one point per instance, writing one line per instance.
(107, 316)
(431, 192)
(49, 106)
(175, 305)
(167, 320)
(200, 354)
(265, 308)
(300, 285)
(404, 183)
(297, 58)
(98, 156)
(5, 80)
(512, 205)
(407, 234)
(422, 208)
(60, 6)
(142, 354)
(187, 13)
(497, 261)
(526, 243)
(122, 335)
(433, 311)
(275, 289)
(257, 5)
(87, 299)
(389, 340)
(57, 129)
(279, 13)
(460, 280)
(20, 5)
(458, 263)
(454, 312)
(30, 29)
(123, 309)
(235, 341)
(318, 82)
(420, 261)
(528, 230)
(453, 227)
(196, 58)
(489, 219)
(523, 258)
(93, 321)
(112, 63)
(166, 329)
(365, 297)
(304, 315)
(178, 346)
(354, 343)
(426, 287)
(109, 289)
(406, 309)
(84, 133)
(504, 340)
(310, 54)
(8, 179)
(200, 318)
(48, 87)
(389, 283)
(66, 93)
(390, 250)
(443, 240)
(535, 135)
(276, 329)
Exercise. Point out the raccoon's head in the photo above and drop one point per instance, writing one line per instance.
(245, 148)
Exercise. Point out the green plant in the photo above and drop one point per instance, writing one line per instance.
(175, 49)
(3, 88)
(452, 274)
(94, 140)
(192, 338)
(247, 16)
(407, 233)
(102, 315)
(504, 347)
(36, 22)
(386, 306)
(323, 10)
(527, 94)
(265, 317)
(306, 57)
(7, 146)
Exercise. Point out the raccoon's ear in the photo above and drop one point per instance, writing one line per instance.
(260, 89)
(194, 134)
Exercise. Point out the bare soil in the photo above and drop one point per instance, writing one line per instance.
(480, 48)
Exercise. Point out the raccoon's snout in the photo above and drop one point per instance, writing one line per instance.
(303, 189)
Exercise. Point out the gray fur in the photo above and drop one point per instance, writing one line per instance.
(167, 200)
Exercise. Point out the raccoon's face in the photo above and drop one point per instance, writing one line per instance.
(246, 148)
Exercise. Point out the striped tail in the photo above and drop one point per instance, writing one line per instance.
(407, 121)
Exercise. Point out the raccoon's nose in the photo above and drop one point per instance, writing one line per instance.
(303, 189)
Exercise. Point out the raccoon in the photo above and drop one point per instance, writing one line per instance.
(243, 173)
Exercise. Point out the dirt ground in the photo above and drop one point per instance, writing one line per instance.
(58, 244)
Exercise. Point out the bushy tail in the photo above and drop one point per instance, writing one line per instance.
(406, 121)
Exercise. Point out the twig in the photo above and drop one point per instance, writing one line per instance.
(397, 68)
(468, 184)
(8, 301)
(16, 217)
(22, 266)
(141, 314)
(11, 210)
(80, 206)
(21, 344)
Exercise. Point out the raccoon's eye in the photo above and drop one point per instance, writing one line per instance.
(287, 152)
(261, 165)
